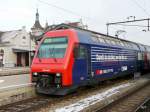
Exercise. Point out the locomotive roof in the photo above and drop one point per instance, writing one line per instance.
(67, 26)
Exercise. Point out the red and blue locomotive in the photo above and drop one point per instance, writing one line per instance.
(69, 58)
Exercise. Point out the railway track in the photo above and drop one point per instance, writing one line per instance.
(144, 107)
(130, 102)
(45, 103)
(39, 102)
(27, 105)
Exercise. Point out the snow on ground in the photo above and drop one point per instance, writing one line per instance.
(80, 105)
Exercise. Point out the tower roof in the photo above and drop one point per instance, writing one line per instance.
(37, 22)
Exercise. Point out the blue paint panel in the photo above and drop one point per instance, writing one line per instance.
(104, 64)
(114, 58)
(79, 71)
(125, 58)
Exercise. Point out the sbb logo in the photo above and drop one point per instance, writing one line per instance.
(99, 72)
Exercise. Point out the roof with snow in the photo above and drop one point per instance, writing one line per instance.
(7, 35)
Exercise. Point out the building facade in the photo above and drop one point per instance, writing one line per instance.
(15, 48)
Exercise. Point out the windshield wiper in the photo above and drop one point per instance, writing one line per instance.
(51, 51)
(53, 55)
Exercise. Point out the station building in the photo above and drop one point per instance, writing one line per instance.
(15, 47)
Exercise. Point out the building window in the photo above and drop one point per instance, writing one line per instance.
(23, 37)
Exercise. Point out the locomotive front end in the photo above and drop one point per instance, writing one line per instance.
(51, 68)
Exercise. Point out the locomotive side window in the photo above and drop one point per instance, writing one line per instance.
(95, 39)
(126, 45)
(135, 46)
(101, 40)
(122, 44)
(108, 41)
(139, 56)
(118, 43)
(113, 42)
(80, 52)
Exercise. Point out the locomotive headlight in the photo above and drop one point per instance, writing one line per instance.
(35, 73)
(34, 76)
(58, 74)
(58, 79)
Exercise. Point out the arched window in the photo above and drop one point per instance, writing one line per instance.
(1, 51)
(1, 57)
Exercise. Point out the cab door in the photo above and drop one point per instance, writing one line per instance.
(80, 67)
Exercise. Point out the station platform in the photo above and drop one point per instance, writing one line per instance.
(18, 87)
(15, 88)
(14, 71)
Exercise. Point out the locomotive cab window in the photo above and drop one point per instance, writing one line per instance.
(80, 52)
(54, 47)
(101, 40)
(95, 39)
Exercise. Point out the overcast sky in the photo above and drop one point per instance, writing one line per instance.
(95, 13)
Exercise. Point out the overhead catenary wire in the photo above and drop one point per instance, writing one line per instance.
(131, 25)
(123, 23)
(60, 8)
(140, 6)
(67, 10)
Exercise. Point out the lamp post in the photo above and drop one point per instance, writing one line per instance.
(30, 49)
